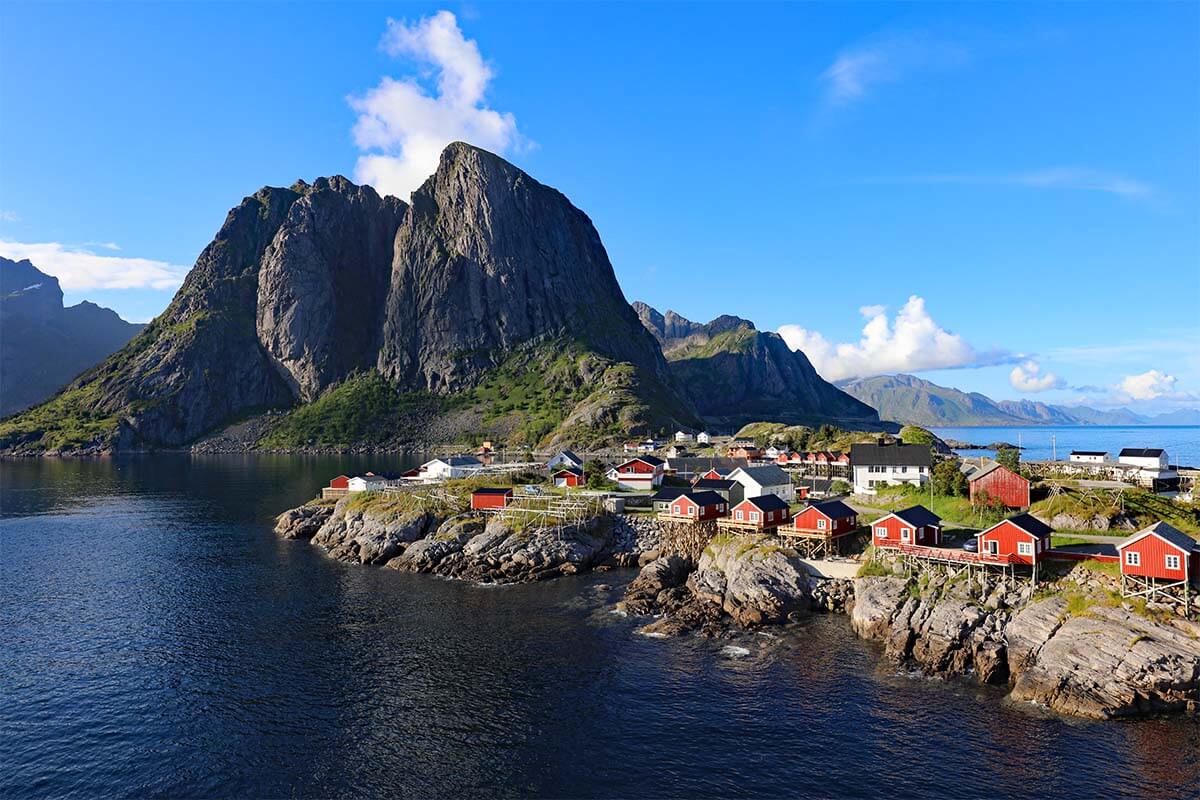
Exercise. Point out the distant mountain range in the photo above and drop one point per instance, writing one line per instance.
(44, 345)
(912, 400)
(734, 374)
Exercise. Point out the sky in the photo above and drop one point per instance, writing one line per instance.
(1001, 198)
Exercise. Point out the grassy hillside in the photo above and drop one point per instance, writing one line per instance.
(1145, 507)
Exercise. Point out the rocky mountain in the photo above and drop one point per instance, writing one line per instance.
(912, 400)
(487, 307)
(734, 374)
(43, 345)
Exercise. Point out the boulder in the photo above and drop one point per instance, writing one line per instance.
(876, 601)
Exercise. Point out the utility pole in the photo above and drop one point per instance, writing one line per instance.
(1053, 448)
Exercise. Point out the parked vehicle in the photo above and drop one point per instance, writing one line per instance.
(971, 545)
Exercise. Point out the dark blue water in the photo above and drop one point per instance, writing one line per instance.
(1044, 442)
(156, 640)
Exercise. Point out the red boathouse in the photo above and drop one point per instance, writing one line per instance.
(698, 506)
(760, 513)
(1022, 539)
(913, 525)
(490, 498)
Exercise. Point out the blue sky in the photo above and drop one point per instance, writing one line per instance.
(1030, 174)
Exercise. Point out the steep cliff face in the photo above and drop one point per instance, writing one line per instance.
(322, 282)
(737, 374)
(44, 345)
(492, 286)
(489, 259)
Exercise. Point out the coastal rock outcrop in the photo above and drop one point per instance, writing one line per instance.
(739, 581)
(1106, 661)
(304, 521)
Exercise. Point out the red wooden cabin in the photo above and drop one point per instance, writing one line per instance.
(1023, 539)
(1000, 483)
(488, 497)
(713, 474)
(831, 518)
(762, 512)
(569, 477)
(643, 472)
(1161, 552)
(340, 482)
(699, 506)
(913, 525)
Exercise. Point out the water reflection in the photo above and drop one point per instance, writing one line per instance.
(157, 639)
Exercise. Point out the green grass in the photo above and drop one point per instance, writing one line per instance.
(1146, 507)
(364, 410)
(69, 420)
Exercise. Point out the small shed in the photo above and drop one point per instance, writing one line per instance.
(489, 497)
(568, 478)
(1001, 483)
(340, 482)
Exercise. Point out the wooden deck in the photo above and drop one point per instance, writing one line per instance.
(748, 527)
(952, 555)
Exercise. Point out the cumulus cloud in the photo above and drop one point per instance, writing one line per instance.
(856, 70)
(1028, 377)
(1149, 385)
(912, 342)
(79, 269)
(403, 126)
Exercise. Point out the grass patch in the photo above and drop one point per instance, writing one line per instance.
(69, 420)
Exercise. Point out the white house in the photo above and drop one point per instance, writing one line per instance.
(564, 460)
(683, 436)
(769, 479)
(450, 467)
(773, 452)
(1088, 456)
(1153, 466)
(647, 446)
(888, 465)
(366, 483)
(1144, 457)
(703, 438)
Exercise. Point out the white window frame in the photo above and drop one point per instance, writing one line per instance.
(754, 516)
(740, 515)
(820, 524)
(1133, 558)
(993, 547)
(1024, 548)
(675, 509)
(906, 534)
(1171, 561)
(881, 532)
(691, 511)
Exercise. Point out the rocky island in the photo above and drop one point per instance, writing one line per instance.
(1071, 646)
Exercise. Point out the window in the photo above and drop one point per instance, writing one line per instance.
(881, 533)
(821, 524)
(1025, 548)
(754, 516)
(691, 511)
(1172, 562)
(740, 515)
(1133, 559)
(905, 533)
(993, 547)
(677, 509)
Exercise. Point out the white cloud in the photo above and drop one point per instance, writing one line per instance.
(403, 127)
(913, 342)
(857, 69)
(79, 269)
(1065, 178)
(1149, 385)
(1027, 377)
(9, 216)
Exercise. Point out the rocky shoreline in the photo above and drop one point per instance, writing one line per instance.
(1101, 661)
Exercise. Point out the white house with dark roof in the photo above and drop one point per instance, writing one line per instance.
(440, 469)
(1153, 465)
(768, 479)
(564, 459)
(874, 465)
(1088, 456)
(703, 437)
